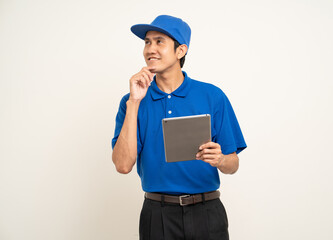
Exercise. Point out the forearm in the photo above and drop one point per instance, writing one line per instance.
(125, 151)
(230, 164)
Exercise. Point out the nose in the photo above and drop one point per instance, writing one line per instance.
(151, 48)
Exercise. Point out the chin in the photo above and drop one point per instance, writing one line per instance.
(156, 69)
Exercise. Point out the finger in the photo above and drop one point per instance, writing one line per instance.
(146, 77)
(150, 74)
(208, 156)
(209, 145)
(213, 163)
(136, 78)
(141, 81)
(149, 71)
(145, 81)
(209, 161)
(209, 151)
(201, 154)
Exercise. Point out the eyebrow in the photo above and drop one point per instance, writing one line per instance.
(155, 38)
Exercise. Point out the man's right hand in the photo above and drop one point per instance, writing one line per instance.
(139, 83)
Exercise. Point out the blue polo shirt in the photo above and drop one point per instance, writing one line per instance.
(191, 98)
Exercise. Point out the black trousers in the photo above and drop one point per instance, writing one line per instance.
(168, 221)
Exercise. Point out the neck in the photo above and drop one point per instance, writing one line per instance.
(169, 81)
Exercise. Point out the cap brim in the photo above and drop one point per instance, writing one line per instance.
(141, 30)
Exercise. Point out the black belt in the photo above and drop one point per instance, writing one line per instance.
(183, 200)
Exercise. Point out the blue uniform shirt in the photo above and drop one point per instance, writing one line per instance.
(191, 98)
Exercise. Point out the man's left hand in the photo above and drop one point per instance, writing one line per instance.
(211, 153)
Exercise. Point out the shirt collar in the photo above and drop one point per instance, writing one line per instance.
(181, 91)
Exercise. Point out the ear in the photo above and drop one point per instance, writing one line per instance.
(181, 51)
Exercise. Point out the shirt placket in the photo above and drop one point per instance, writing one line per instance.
(168, 109)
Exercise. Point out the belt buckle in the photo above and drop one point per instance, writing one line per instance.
(181, 200)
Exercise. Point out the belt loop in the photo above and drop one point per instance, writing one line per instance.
(203, 198)
(162, 200)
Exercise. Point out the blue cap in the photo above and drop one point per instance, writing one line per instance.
(174, 27)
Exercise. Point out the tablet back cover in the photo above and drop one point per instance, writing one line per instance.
(183, 136)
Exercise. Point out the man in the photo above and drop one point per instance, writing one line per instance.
(181, 199)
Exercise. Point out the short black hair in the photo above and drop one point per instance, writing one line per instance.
(182, 60)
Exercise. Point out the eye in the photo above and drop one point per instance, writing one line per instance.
(146, 42)
(159, 41)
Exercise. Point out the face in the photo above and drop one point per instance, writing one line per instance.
(159, 52)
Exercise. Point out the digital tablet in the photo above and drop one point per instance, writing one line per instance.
(184, 135)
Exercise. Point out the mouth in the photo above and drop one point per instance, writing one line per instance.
(153, 59)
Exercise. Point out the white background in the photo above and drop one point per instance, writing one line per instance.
(64, 66)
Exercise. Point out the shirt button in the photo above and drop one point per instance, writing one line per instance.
(169, 96)
(170, 112)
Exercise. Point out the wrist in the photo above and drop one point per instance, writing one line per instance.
(133, 104)
(221, 163)
(133, 101)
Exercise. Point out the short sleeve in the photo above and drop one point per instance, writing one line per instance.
(228, 131)
(120, 118)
